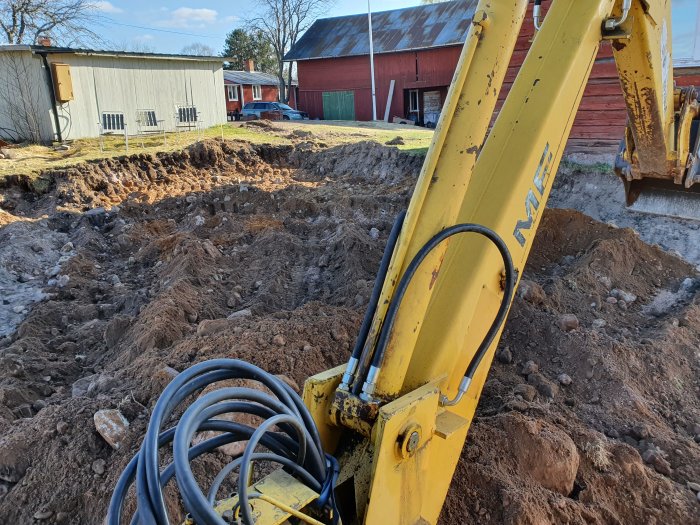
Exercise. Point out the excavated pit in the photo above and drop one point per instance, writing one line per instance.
(116, 273)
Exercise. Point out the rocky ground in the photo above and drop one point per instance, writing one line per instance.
(115, 275)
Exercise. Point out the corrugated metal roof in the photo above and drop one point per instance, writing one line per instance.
(105, 52)
(421, 27)
(253, 77)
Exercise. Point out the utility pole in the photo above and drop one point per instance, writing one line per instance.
(371, 61)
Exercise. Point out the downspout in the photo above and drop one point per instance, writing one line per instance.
(52, 93)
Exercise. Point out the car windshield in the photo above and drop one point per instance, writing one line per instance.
(284, 107)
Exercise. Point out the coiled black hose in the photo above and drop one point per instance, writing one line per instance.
(295, 445)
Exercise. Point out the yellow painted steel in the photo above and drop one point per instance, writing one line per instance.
(689, 111)
(444, 179)
(318, 394)
(509, 186)
(643, 56)
(411, 479)
(507, 192)
(285, 497)
(658, 163)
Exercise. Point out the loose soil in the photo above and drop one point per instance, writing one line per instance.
(114, 272)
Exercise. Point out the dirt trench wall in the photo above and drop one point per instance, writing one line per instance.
(264, 253)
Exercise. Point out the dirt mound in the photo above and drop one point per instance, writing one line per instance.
(623, 386)
(203, 166)
(596, 191)
(262, 124)
(268, 254)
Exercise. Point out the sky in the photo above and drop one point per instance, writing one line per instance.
(167, 27)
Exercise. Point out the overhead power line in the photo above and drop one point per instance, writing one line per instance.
(114, 22)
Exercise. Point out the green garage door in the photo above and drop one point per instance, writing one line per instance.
(339, 105)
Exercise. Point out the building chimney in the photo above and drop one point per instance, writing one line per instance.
(249, 65)
(43, 41)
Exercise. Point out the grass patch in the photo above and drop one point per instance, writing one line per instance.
(596, 167)
(32, 160)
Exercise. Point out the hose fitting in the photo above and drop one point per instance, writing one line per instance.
(614, 23)
(463, 387)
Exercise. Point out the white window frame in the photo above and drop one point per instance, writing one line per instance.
(257, 92)
(412, 109)
(232, 92)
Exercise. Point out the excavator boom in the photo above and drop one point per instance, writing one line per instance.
(393, 421)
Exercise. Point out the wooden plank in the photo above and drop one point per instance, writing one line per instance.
(605, 102)
(389, 100)
(606, 88)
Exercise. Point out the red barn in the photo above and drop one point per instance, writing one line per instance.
(417, 50)
(241, 87)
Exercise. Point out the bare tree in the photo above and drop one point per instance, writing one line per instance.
(282, 22)
(19, 98)
(66, 22)
(134, 46)
(198, 49)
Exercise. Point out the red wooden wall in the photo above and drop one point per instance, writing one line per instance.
(688, 77)
(602, 114)
(600, 120)
(269, 94)
(410, 70)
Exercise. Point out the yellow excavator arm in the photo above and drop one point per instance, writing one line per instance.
(658, 160)
(392, 422)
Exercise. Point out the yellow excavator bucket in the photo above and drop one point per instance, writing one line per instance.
(658, 157)
(675, 192)
(678, 193)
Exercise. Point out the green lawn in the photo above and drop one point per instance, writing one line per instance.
(32, 160)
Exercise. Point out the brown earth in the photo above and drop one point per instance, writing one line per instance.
(164, 248)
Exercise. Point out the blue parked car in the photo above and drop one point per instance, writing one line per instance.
(256, 109)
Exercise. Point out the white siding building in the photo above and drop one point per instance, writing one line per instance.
(49, 93)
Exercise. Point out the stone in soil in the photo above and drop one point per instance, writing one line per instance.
(531, 292)
(527, 392)
(564, 379)
(112, 426)
(567, 322)
(504, 355)
(246, 312)
(656, 460)
(98, 466)
(543, 385)
(530, 367)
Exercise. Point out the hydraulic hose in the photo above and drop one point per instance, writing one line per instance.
(509, 288)
(355, 357)
(288, 433)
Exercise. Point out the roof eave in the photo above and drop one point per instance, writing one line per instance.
(407, 50)
(121, 54)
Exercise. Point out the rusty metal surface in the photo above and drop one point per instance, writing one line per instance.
(350, 411)
(421, 27)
